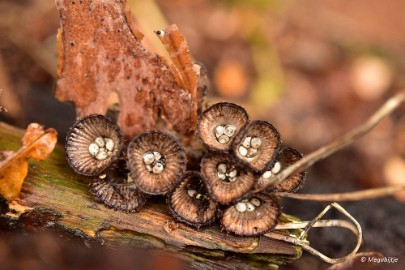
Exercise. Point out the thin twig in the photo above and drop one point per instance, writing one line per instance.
(301, 241)
(347, 196)
(319, 224)
(339, 143)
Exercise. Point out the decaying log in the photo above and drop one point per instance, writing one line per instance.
(55, 198)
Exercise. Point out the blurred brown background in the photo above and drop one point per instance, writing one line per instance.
(313, 68)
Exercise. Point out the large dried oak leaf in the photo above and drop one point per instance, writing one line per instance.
(100, 53)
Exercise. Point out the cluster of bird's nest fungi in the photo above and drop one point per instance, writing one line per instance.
(240, 156)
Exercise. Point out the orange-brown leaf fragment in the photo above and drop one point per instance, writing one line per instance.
(185, 72)
(101, 54)
(38, 144)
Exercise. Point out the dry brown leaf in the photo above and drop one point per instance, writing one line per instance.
(100, 54)
(38, 144)
(184, 71)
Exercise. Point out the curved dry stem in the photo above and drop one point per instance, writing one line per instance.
(353, 226)
(347, 196)
(319, 224)
(325, 151)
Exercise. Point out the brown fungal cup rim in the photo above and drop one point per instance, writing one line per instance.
(302, 173)
(242, 134)
(210, 189)
(112, 189)
(176, 215)
(263, 197)
(142, 198)
(110, 122)
(181, 154)
(211, 108)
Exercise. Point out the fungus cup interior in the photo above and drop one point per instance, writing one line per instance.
(219, 125)
(156, 162)
(226, 181)
(253, 216)
(92, 144)
(257, 145)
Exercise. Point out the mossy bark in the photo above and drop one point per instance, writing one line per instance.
(55, 198)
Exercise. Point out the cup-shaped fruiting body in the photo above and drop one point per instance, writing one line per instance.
(287, 157)
(156, 162)
(253, 216)
(219, 125)
(226, 182)
(257, 145)
(190, 203)
(116, 189)
(92, 144)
